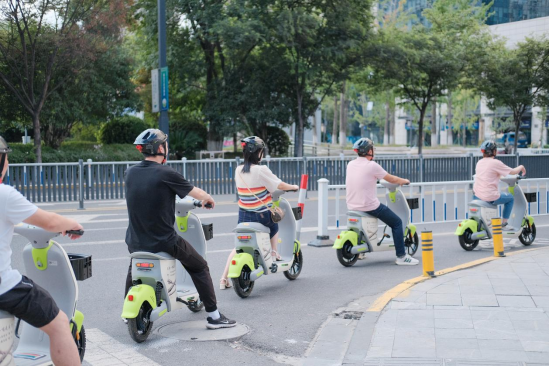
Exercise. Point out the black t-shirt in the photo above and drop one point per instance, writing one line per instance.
(151, 190)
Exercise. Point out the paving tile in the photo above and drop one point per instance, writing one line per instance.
(503, 325)
(381, 341)
(535, 346)
(459, 343)
(482, 289)
(516, 301)
(537, 357)
(495, 334)
(454, 324)
(489, 313)
(445, 288)
(479, 300)
(499, 344)
(414, 352)
(452, 314)
(481, 279)
(408, 306)
(381, 332)
(380, 352)
(444, 299)
(540, 301)
(532, 335)
(502, 275)
(455, 334)
(530, 314)
(414, 333)
(410, 296)
(451, 308)
(404, 315)
(513, 282)
(450, 352)
(403, 342)
(503, 355)
(511, 290)
(536, 325)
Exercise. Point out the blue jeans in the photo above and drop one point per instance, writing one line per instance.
(505, 198)
(262, 218)
(391, 219)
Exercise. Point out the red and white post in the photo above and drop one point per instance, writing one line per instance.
(301, 202)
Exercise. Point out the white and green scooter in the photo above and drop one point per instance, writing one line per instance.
(160, 282)
(362, 233)
(478, 226)
(253, 259)
(49, 266)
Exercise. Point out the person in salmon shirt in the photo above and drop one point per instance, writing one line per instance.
(488, 173)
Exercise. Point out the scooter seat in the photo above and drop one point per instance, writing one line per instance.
(151, 255)
(483, 204)
(247, 227)
(356, 213)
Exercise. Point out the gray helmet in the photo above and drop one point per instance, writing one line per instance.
(149, 141)
(4, 147)
(252, 144)
(489, 147)
(363, 146)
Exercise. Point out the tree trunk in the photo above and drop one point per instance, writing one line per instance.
(335, 122)
(465, 126)
(387, 124)
(37, 137)
(234, 142)
(392, 125)
(516, 137)
(449, 127)
(343, 116)
(299, 133)
(315, 128)
(421, 128)
(434, 123)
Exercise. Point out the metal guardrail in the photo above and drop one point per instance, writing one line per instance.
(50, 182)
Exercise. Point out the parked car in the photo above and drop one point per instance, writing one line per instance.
(506, 142)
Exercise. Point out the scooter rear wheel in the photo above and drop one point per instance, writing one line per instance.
(411, 246)
(344, 255)
(242, 285)
(195, 306)
(527, 237)
(81, 343)
(466, 241)
(296, 267)
(141, 326)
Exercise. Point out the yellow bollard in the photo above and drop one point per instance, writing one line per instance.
(498, 243)
(427, 254)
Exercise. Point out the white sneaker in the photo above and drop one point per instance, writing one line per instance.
(362, 256)
(406, 260)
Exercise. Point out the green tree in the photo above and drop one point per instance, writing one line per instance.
(516, 78)
(465, 102)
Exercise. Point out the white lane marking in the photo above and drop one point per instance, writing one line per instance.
(128, 257)
(201, 216)
(103, 350)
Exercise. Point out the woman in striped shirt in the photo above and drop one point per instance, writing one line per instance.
(255, 183)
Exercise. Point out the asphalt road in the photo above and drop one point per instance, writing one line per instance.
(283, 316)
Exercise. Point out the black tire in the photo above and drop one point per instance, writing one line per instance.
(466, 241)
(141, 326)
(296, 267)
(81, 343)
(344, 255)
(196, 306)
(527, 237)
(242, 285)
(411, 246)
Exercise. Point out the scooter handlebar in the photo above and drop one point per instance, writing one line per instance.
(198, 204)
(290, 190)
(78, 232)
(208, 206)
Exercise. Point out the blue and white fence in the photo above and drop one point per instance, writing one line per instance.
(439, 202)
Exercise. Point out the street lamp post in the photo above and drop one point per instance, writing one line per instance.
(161, 6)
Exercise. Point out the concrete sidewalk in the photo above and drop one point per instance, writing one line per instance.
(496, 312)
(492, 314)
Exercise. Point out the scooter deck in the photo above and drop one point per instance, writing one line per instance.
(185, 294)
(32, 358)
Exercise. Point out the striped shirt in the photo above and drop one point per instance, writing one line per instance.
(255, 187)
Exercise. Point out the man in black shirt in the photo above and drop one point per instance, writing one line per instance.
(151, 189)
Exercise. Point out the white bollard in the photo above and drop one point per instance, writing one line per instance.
(322, 239)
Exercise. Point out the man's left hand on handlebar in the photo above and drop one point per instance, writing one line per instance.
(210, 201)
(72, 236)
(405, 182)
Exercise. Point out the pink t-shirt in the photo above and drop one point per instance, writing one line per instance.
(488, 173)
(361, 177)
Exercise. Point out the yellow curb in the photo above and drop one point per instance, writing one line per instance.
(385, 298)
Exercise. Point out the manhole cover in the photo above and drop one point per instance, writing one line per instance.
(197, 331)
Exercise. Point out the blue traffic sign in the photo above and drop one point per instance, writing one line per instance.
(164, 104)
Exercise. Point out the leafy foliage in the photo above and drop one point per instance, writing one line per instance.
(277, 141)
(121, 130)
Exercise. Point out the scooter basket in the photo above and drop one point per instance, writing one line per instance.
(413, 203)
(82, 265)
(297, 213)
(531, 197)
(208, 229)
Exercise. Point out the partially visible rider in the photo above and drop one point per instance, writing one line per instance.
(362, 175)
(151, 189)
(255, 183)
(19, 295)
(488, 173)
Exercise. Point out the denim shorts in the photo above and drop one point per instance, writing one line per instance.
(262, 218)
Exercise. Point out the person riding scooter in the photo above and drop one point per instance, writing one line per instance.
(362, 175)
(19, 295)
(488, 173)
(151, 189)
(255, 183)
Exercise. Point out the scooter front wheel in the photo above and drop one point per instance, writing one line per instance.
(344, 255)
(242, 285)
(80, 341)
(141, 326)
(466, 241)
(296, 268)
(527, 236)
(196, 306)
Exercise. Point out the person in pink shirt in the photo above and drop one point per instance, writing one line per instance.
(488, 173)
(362, 175)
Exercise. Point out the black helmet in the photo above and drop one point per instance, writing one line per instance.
(4, 147)
(489, 148)
(363, 147)
(149, 141)
(252, 144)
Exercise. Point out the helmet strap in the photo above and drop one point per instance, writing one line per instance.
(2, 164)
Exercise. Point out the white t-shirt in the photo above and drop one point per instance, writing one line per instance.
(361, 177)
(14, 209)
(255, 187)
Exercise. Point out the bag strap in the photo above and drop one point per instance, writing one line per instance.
(248, 188)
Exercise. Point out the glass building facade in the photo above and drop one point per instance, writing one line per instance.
(506, 11)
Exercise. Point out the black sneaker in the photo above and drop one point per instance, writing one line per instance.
(222, 322)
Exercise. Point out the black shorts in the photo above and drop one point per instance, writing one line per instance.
(30, 302)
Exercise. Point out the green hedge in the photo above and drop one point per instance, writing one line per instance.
(121, 130)
(73, 151)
